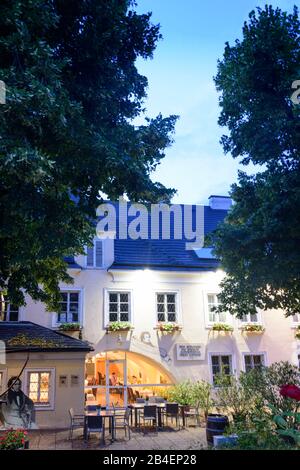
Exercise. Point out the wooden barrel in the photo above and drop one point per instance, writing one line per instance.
(215, 426)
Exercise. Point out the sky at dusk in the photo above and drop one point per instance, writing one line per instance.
(180, 77)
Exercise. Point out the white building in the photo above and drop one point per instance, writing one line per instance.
(149, 281)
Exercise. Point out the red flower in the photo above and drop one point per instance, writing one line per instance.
(290, 391)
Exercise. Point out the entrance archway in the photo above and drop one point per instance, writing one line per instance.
(120, 377)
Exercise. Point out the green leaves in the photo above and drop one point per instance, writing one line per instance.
(73, 90)
(258, 244)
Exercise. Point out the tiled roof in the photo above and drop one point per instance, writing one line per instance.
(28, 336)
(166, 254)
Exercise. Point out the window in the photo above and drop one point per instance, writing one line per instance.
(250, 318)
(119, 306)
(296, 318)
(221, 364)
(40, 387)
(253, 361)
(70, 303)
(215, 317)
(94, 255)
(166, 307)
(11, 312)
(2, 381)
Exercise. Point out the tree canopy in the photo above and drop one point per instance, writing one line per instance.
(67, 131)
(259, 242)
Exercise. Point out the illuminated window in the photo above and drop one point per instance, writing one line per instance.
(166, 307)
(40, 384)
(213, 316)
(253, 361)
(2, 381)
(70, 303)
(119, 306)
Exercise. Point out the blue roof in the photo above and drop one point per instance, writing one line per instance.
(167, 254)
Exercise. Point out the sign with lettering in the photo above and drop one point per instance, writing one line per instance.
(190, 352)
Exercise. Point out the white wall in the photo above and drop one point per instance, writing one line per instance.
(277, 342)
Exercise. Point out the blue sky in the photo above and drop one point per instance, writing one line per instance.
(180, 77)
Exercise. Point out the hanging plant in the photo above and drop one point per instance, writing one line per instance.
(222, 327)
(253, 328)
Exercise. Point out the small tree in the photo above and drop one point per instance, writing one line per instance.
(201, 396)
(182, 393)
(234, 396)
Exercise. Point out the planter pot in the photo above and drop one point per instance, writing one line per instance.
(71, 333)
(215, 426)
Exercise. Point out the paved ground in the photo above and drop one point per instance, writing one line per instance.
(166, 439)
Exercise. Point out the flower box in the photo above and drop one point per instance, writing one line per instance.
(71, 329)
(168, 327)
(119, 326)
(222, 327)
(248, 328)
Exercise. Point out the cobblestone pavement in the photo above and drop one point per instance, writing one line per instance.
(166, 439)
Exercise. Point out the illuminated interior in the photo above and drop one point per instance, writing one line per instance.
(119, 378)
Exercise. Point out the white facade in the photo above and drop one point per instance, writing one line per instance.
(193, 291)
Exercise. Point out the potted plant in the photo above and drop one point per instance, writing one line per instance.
(297, 332)
(119, 326)
(71, 329)
(201, 396)
(252, 328)
(168, 327)
(182, 394)
(222, 327)
(14, 440)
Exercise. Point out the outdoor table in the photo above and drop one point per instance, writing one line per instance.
(106, 414)
(160, 406)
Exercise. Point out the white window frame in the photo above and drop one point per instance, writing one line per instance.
(106, 304)
(8, 305)
(251, 353)
(208, 322)
(295, 324)
(70, 290)
(178, 309)
(4, 377)
(96, 239)
(249, 322)
(222, 353)
(52, 390)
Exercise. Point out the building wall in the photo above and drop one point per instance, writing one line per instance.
(65, 396)
(277, 342)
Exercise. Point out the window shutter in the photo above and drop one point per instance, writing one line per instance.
(90, 256)
(99, 254)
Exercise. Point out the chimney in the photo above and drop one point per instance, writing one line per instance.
(220, 202)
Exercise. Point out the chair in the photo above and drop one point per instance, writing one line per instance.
(192, 412)
(76, 421)
(149, 414)
(122, 415)
(171, 411)
(93, 424)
